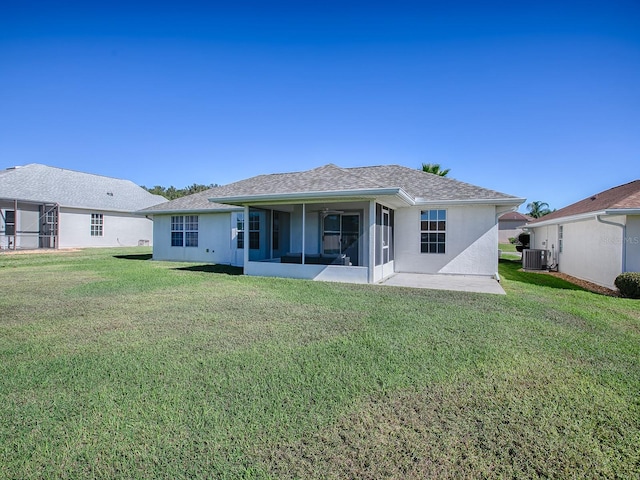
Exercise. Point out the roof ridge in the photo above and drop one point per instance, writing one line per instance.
(16, 168)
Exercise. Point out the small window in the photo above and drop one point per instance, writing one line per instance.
(560, 239)
(433, 235)
(97, 223)
(240, 228)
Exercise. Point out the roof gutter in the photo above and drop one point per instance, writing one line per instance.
(568, 219)
(585, 216)
(622, 211)
(293, 196)
(474, 201)
(189, 210)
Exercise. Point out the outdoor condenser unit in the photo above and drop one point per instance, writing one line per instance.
(534, 259)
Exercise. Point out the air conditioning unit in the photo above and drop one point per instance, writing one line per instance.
(535, 259)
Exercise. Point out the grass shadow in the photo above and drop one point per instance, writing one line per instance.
(512, 270)
(143, 256)
(222, 269)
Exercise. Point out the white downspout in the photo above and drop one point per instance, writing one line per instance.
(624, 239)
(304, 222)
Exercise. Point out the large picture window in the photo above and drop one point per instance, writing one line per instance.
(184, 231)
(97, 224)
(433, 231)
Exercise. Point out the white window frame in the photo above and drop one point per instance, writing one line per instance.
(184, 231)
(97, 225)
(434, 227)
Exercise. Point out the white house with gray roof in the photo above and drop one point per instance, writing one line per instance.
(355, 225)
(49, 207)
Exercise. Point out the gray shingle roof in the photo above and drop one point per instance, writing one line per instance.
(426, 186)
(41, 183)
(331, 178)
(197, 202)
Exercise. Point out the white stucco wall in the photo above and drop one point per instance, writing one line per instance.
(633, 243)
(471, 248)
(591, 250)
(119, 229)
(216, 240)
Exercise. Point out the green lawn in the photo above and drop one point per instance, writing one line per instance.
(507, 247)
(113, 366)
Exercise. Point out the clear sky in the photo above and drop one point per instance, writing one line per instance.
(533, 98)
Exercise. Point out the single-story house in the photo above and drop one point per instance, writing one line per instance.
(596, 238)
(345, 224)
(49, 207)
(510, 225)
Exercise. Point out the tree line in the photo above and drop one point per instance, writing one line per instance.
(171, 193)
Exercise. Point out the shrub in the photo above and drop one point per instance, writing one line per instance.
(512, 240)
(629, 284)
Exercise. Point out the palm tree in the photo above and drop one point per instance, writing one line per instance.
(435, 169)
(538, 209)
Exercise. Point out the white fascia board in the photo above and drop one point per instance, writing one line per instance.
(97, 209)
(513, 202)
(184, 211)
(568, 219)
(315, 196)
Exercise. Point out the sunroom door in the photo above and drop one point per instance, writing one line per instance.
(341, 235)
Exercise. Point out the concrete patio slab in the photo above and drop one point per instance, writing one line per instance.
(461, 283)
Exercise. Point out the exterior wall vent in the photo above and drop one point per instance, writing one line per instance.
(533, 259)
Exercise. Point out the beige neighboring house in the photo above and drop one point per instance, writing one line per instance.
(357, 225)
(50, 207)
(510, 225)
(596, 238)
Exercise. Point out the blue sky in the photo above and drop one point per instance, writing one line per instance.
(536, 99)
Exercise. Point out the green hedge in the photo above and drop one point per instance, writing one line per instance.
(629, 284)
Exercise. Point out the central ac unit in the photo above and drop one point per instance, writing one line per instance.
(533, 259)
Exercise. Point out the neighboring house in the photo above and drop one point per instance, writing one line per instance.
(345, 224)
(510, 225)
(49, 207)
(594, 239)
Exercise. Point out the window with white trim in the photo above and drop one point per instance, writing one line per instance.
(240, 228)
(433, 231)
(184, 231)
(254, 230)
(560, 239)
(97, 224)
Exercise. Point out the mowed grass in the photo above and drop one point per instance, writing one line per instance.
(114, 366)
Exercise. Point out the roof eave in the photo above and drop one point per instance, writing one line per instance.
(473, 201)
(622, 211)
(189, 210)
(316, 196)
(565, 219)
